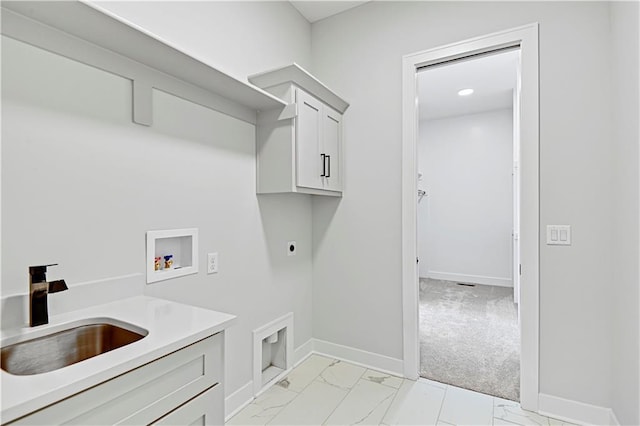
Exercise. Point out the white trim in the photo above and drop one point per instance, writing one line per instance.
(285, 323)
(302, 352)
(235, 402)
(474, 279)
(574, 411)
(613, 420)
(366, 359)
(527, 38)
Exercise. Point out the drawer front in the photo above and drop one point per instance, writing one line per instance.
(144, 394)
(205, 409)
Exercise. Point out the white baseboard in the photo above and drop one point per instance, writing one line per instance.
(574, 411)
(548, 405)
(474, 279)
(243, 396)
(302, 352)
(359, 357)
(238, 400)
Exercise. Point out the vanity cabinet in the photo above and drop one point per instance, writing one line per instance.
(299, 148)
(183, 387)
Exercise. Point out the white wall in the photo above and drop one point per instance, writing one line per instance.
(81, 184)
(238, 37)
(625, 280)
(357, 241)
(465, 222)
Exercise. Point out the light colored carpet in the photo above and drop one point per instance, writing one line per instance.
(469, 337)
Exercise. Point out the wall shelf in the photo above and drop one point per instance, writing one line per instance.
(40, 23)
(181, 244)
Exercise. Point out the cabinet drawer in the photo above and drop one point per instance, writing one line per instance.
(205, 409)
(144, 394)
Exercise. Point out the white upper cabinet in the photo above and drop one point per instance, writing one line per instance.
(308, 127)
(299, 148)
(318, 142)
(332, 149)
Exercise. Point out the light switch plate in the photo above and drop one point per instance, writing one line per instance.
(559, 235)
(212, 263)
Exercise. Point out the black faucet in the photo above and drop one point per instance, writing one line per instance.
(39, 288)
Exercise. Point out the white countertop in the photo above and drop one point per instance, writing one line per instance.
(170, 326)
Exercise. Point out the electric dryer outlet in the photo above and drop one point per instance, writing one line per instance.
(291, 248)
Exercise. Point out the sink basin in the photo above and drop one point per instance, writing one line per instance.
(66, 347)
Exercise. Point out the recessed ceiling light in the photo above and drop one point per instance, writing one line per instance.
(465, 92)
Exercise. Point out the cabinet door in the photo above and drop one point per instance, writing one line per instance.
(309, 162)
(332, 148)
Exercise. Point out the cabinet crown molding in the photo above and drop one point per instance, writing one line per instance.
(297, 75)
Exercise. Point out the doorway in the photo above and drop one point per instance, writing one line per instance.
(467, 215)
(526, 39)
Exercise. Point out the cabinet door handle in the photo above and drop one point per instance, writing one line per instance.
(324, 164)
(329, 166)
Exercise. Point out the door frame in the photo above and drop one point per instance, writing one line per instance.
(515, 238)
(525, 37)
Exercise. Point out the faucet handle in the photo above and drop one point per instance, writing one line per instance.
(39, 273)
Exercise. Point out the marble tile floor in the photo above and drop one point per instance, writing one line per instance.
(325, 391)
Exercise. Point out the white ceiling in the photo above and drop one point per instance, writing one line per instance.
(317, 10)
(493, 78)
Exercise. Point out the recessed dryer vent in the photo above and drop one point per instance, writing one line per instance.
(272, 352)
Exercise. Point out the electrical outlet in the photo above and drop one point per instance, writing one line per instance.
(291, 248)
(212, 263)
